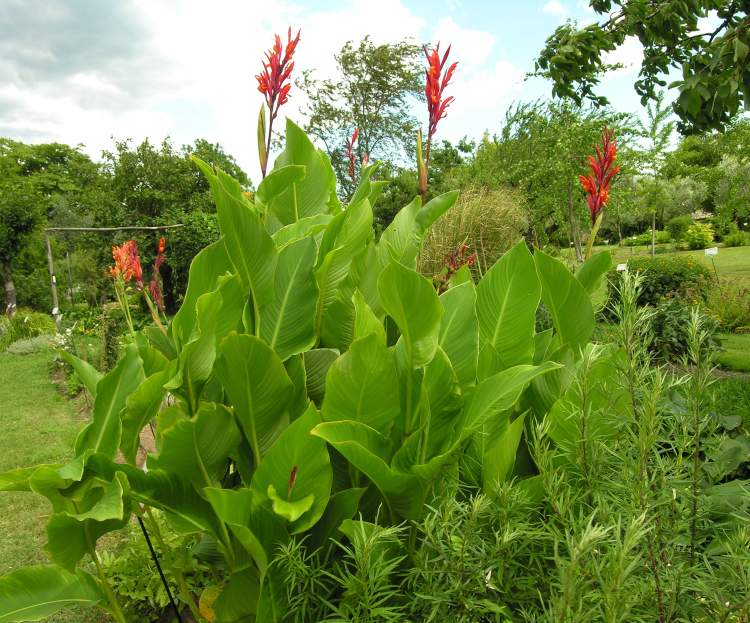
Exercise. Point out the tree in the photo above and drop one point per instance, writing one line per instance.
(715, 81)
(159, 185)
(542, 149)
(372, 92)
(38, 183)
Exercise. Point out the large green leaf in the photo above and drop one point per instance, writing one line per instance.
(35, 593)
(346, 236)
(362, 385)
(249, 246)
(412, 302)
(507, 298)
(365, 320)
(140, 408)
(317, 362)
(211, 263)
(239, 598)
(310, 195)
(198, 448)
(498, 393)
(459, 331)
(287, 323)
(278, 181)
(102, 434)
(87, 373)
(370, 452)
(590, 273)
(311, 226)
(257, 384)
(298, 470)
(500, 454)
(566, 299)
(102, 507)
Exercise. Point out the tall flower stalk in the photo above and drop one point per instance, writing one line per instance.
(596, 184)
(437, 78)
(273, 82)
(351, 156)
(128, 269)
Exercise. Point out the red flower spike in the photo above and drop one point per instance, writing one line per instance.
(596, 184)
(292, 482)
(154, 286)
(435, 84)
(277, 69)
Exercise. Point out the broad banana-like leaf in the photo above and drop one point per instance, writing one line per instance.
(365, 320)
(310, 226)
(249, 246)
(296, 474)
(566, 299)
(459, 331)
(71, 535)
(102, 434)
(259, 387)
(287, 322)
(590, 273)
(342, 506)
(87, 373)
(362, 385)
(278, 181)
(238, 602)
(35, 593)
(346, 236)
(403, 292)
(206, 268)
(370, 452)
(500, 455)
(310, 195)
(141, 407)
(507, 298)
(198, 448)
(317, 362)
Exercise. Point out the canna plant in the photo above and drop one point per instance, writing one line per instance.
(311, 376)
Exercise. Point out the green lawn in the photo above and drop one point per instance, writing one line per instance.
(736, 353)
(37, 425)
(731, 263)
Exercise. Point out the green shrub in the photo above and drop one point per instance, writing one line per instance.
(678, 226)
(30, 345)
(670, 323)
(664, 277)
(736, 239)
(729, 303)
(699, 236)
(644, 239)
(26, 324)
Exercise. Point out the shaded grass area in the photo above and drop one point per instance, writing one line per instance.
(736, 353)
(37, 425)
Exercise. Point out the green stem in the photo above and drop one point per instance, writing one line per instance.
(114, 604)
(594, 231)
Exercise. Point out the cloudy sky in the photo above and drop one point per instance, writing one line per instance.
(85, 71)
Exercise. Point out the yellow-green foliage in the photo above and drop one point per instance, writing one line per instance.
(488, 221)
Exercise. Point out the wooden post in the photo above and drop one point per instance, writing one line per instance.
(53, 283)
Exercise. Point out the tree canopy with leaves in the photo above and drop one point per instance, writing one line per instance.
(713, 61)
(373, 92)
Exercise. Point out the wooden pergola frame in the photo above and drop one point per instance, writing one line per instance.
(95, 230)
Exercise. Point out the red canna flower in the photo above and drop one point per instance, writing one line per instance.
(350, 153)
(277, 68)
(596, 184)
(127, 263)
(435, 85)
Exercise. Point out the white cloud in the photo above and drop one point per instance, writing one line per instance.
(81, 72)
(554, 7)
(629, 55)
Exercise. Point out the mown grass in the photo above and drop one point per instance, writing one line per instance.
(37, 425)
(736, 352)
